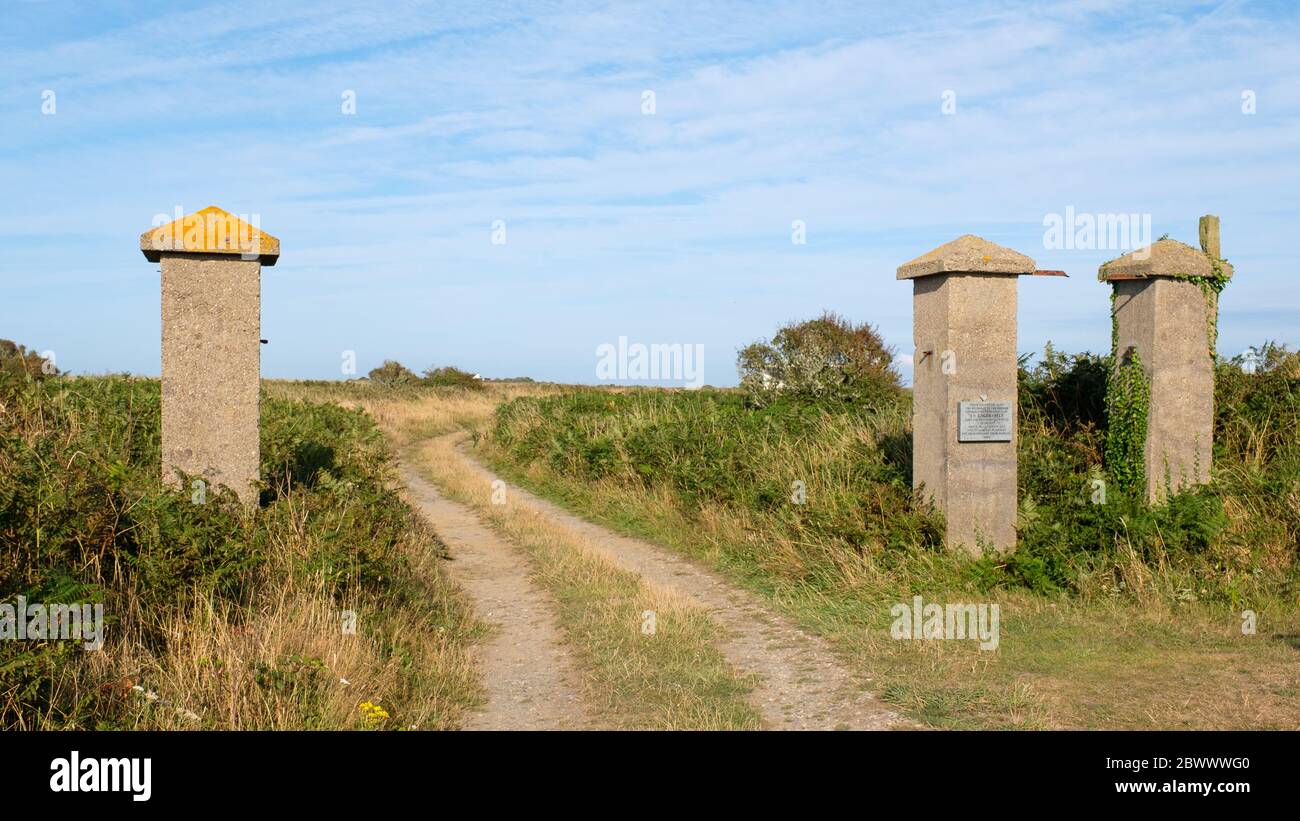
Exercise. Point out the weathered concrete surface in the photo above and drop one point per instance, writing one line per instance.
(1166, 258)
(1168, 322)
(968, 320)
(967, 254)
(1208, 230)
(964, 327)
(1161, 311)
(211, 369)
(211, 347)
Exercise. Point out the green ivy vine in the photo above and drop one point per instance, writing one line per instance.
(1128, 406)
(1128, 391)
(1211, 287)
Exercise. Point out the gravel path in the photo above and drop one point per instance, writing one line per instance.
(526, 667)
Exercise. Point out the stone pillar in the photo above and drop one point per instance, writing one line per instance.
(1165, 311)
(211, 347)
(964, 409)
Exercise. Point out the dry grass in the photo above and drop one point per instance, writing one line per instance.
(250, 635)
(283, 661)
(409, 414)
(1115, 662)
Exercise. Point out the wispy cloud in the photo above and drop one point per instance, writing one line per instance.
(674, 226)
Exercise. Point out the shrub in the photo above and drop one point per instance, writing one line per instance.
(1128, 408)
(710, 447)
(16, 358)
(1067, 391)
(84, 518)
(392, 373)
(828, 358)
(19, 366)
(1237, 534)
(452, 377)
(1234, 540)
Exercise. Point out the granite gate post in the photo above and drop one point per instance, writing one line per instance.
(964, 385)
(1165, 314)
(211, 346)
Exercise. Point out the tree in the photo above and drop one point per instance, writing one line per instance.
(15, 358)
(392, 372)
(829, 358)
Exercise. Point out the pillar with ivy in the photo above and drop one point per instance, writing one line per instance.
(1160, 397)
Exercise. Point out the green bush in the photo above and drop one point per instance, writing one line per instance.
(712, 446)
(1235, 538)
(452, 377)
(84, 518)
(1128, 409)
(392, 373)
(1068, 390)
(16, 359)
(828, 358)
(1066, 456)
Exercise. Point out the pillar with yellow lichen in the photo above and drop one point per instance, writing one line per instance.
(211, 348)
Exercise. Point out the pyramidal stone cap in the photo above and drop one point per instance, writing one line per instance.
(210, 231)
(968, 254)
(1164, 258)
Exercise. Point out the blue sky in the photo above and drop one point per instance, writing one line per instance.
(671, 227)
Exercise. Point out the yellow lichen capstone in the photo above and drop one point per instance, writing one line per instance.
(211, 231)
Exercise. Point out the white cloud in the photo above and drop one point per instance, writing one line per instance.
(679, 220)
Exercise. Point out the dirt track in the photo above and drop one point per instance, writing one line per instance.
(801, 684)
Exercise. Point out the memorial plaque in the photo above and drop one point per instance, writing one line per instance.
(984, 422)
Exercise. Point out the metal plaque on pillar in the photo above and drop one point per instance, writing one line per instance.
(984, 421)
